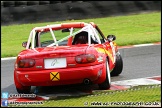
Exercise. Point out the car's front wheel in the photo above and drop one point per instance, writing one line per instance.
(106, 84)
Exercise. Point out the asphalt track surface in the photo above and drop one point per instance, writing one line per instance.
(139, 62)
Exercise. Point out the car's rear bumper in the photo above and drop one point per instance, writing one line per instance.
(60, 76)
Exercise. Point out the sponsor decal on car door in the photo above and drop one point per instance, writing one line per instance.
(104, 51)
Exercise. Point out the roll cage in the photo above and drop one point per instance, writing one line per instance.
(91, 28)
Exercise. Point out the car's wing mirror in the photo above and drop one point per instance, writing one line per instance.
(66, 30)
(111, 37)
(24, 44)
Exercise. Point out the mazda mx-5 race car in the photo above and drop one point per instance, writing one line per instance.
(65, 54)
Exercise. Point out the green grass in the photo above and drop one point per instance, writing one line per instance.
(129, 30)
(143, 95)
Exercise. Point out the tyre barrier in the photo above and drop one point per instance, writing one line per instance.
(44, 2)
(8, 3)
(21, 12)
(20, 3)
(29, 3)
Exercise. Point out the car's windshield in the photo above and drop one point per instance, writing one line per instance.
(45, 38)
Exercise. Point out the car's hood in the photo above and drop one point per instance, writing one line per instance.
(56, 51)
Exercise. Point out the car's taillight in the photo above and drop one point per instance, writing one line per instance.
(26, 63)
(85, 58)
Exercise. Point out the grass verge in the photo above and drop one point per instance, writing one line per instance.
(129, 30)
(136, 96)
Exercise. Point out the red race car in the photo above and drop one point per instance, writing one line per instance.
(67, 53)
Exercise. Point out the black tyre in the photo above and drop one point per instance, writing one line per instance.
(29, 3)
(20, 3)
(8, 3)
(106, 84)
(25, 91)
(118, 65)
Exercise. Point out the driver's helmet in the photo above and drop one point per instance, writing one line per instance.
(81, 38)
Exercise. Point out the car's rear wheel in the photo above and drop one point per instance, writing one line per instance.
(118, 65)
(106, 84)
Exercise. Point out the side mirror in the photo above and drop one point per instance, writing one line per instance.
(24, 44)
(111, 37)
(66, 30)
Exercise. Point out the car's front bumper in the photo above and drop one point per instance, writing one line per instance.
(61, 76)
